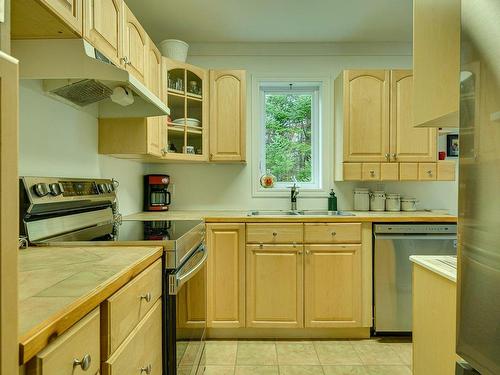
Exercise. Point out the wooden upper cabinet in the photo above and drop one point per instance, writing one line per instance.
(153, 72)
(408, 144)
(366, 115)
(436, 62)
(103, 27)
(135, 46)
(46, 19)
(332, 286)
(227, 115)
(226, 275)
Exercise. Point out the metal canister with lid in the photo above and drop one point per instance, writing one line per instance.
(408, 204)
(361, 199)
(393, 202)
(377, 201)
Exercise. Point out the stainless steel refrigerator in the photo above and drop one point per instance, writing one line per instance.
(478, 319)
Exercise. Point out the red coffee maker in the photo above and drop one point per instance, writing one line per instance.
(156, 194)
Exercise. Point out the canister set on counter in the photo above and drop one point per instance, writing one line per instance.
(378, 200)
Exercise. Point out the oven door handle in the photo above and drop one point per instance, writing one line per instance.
(410, 237)
(176, 282)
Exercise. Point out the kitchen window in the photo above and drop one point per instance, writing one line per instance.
(289, 130)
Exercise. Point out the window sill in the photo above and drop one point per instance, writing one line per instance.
(285, 193)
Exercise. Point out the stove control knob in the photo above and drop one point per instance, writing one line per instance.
(55, 189)
(102, 188)
(41, 189)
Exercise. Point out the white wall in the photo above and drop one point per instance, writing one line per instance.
(209, 186)
(58, 140)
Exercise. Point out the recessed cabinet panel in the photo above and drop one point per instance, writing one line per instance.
(407, 142)
(103, 26)
(366, 115)
(332, 286)
(274, 286)
(227, 115)
(135, 49)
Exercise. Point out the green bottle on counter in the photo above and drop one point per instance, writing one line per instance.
(332, 202)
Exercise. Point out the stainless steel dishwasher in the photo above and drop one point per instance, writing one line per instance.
(392, 272)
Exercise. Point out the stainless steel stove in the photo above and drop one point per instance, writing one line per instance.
(84, 212)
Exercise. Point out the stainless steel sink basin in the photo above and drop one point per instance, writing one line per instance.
(273, 213)
(325, 213)
(298, 213)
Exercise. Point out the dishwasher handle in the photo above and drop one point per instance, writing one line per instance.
(385, 236)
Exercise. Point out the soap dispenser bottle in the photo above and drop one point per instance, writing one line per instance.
(332, 201)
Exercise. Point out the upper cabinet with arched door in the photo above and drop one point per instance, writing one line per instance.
(135, 46)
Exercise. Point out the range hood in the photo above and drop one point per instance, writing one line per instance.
(74, 72)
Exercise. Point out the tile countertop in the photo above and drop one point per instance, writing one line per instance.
(214, 216)
(58, 286)
(443, 265)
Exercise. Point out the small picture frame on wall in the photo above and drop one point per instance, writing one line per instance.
(452, 146)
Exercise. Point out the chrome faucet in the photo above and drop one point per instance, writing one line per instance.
(294, 191)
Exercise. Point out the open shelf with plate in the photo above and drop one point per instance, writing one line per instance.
(187, 97)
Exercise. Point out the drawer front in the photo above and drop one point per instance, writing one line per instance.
(332, 233)
(408, 171)
(370, 171)
(140, 350)
(124, 310)
(274, 233)
(427, 171)
(79, 341)
(352, 171)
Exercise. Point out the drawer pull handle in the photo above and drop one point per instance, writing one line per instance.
(334, 233)
(84, 363)
(275, 234)
(147, 369)
(308, 252)
(147, 297)
(429, 172)
(300, 252)
(372, 173)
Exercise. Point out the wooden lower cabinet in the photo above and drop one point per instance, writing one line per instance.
(226, 275)
(332, 286)
(79, 342)
(274, 286)
(142, 350)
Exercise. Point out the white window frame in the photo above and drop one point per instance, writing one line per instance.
(322, 134)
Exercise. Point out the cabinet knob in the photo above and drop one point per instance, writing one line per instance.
(387, 156)
(308, 252)
(372, 173)
(334, 233)
(299, 252)
(84, 363)
(429, 172)
(147, 369)
(146, 297)
(275, 234)
(394, 155)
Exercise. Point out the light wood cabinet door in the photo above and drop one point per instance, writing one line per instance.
(155, 136)
(79, 341)
(408, 144)
(142, 348)
(332, 286)
(274, 286)
(427, 171)
(436, 62)
(70, 11)
(123, 310)
(227, 115)
(226, 275)
(135, 46)
(103, 27)
(366, 115)
(153, 71)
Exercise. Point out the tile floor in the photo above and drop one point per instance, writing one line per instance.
(387, 356)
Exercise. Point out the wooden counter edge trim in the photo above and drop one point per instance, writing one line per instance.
(321, 219)
(41, 335)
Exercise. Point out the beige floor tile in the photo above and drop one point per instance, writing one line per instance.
(345, 370)
(337, 353)
(256, 353)
(296, 353)
(388, 370)
(301, 370)
(191, 354)
(404, 351)
(256, 370)
(219, 370)
(220, 353)
(184, 370)
(373, 352)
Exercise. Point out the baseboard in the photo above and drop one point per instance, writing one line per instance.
(288, 333)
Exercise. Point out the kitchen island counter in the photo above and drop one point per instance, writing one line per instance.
(58, 286)
(240, 216)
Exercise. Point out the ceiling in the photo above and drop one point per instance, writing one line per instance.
(276, 20)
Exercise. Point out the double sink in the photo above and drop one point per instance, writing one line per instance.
(299, 213)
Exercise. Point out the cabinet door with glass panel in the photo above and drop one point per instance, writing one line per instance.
(187, 97)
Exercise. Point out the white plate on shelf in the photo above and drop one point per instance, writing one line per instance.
(188, 121)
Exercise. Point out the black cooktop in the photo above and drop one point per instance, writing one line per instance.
(137, 230)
